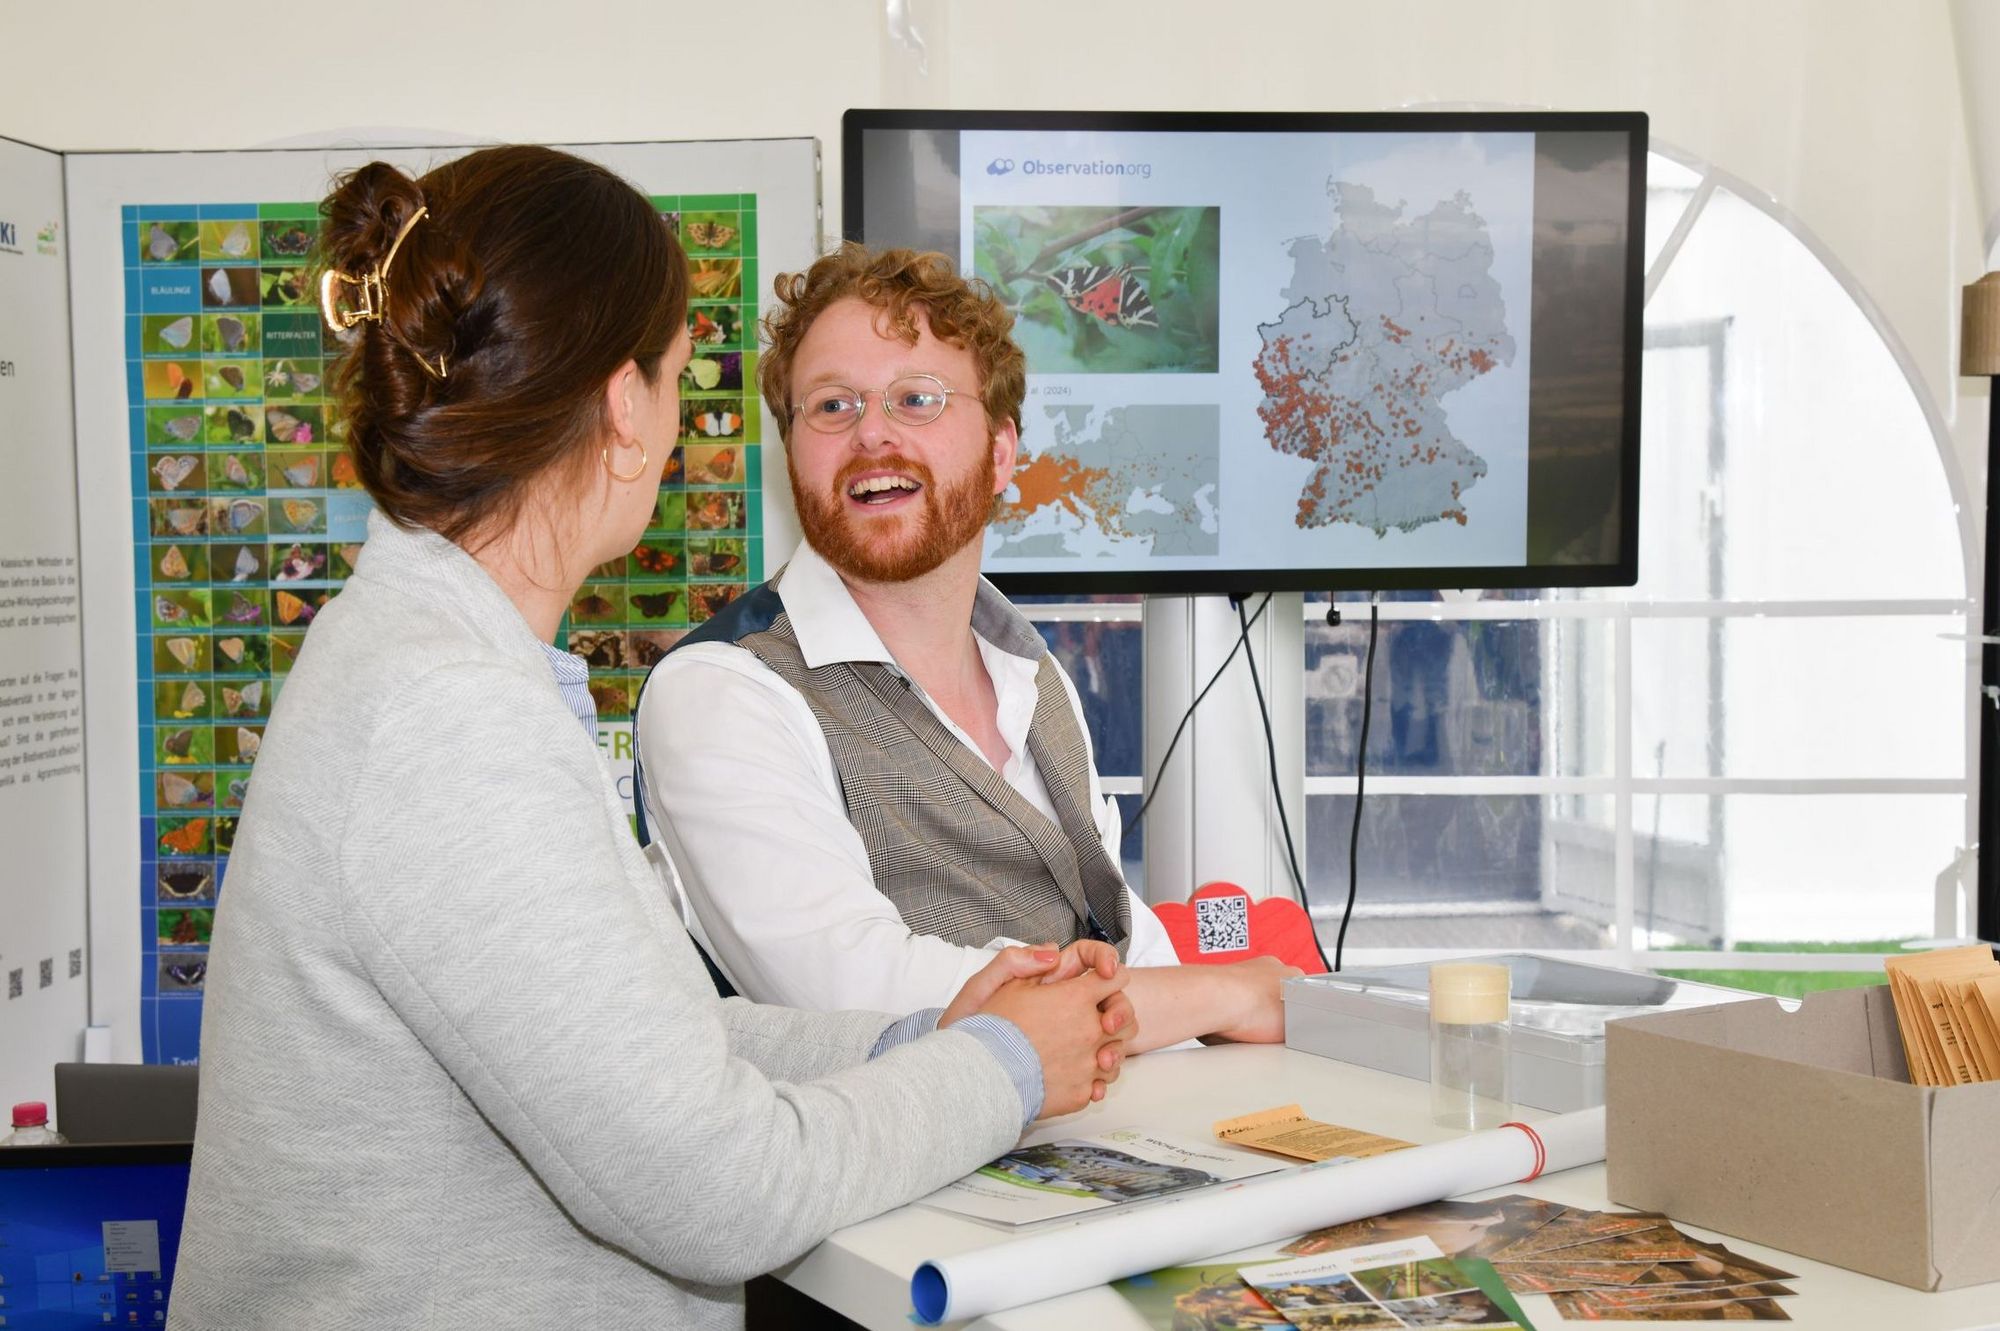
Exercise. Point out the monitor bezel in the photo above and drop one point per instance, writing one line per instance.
(72, 1155)
(1622, 572)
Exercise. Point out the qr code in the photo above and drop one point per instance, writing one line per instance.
(13, 984)
(48, 972)
(1222, 924)
(75, 962)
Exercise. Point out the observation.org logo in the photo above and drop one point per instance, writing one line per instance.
(1041, 166)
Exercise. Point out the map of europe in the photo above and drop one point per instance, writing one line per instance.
(1099, 481)
(1385, 318)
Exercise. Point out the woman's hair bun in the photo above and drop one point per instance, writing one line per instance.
(377, 222)
(363, 214)
(527, 277)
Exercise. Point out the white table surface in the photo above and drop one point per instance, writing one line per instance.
(864, 1271)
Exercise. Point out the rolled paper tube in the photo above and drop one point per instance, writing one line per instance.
(1176, 1231)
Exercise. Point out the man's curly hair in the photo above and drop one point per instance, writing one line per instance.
(896, 282)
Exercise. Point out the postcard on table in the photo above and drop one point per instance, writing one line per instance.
(1207, 1297)
(1574, 1227)
(1066, 1179)
(1478, 1229)
(1380, 1287)
(1584, 1307)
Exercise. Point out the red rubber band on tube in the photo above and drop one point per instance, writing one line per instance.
(1541, 1151)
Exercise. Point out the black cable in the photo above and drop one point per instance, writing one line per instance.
(1153, 786)
(1277, 791)
(1360, 780)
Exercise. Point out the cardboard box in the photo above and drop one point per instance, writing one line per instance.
(1801, 1130)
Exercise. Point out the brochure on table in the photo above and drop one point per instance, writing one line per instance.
(1064, 1180)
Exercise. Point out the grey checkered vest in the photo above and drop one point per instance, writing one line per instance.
(959, 852)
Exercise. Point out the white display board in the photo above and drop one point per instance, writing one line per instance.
(185, 276)
(44, 999)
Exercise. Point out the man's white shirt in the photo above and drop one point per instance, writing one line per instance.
(742, 790)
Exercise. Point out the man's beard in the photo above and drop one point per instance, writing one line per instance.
(953, 517)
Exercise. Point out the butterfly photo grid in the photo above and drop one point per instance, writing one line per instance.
(248, 516)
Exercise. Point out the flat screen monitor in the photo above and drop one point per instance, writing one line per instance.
(1294, 352)
(89, 1234)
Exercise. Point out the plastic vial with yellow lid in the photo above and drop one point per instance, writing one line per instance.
(1469, 1046)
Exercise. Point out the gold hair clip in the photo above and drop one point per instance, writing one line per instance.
(373, 295)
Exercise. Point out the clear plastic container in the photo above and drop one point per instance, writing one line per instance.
(1379, 1017)
(1469, 1046)
(31, 1127)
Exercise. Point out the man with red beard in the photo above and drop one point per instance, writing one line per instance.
(870, 770)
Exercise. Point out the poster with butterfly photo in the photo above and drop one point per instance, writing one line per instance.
(246, 513)
(1106, 290)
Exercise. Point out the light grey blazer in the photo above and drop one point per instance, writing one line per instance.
(461, 1066)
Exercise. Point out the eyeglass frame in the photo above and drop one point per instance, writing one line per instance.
(862, 394)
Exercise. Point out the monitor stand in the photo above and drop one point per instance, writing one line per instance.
(1214, 816)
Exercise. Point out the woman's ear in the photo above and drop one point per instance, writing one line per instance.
(621, 396)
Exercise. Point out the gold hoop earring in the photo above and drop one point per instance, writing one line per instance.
(631, 475)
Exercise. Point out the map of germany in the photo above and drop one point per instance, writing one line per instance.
(1133, 480)
(1387, 317)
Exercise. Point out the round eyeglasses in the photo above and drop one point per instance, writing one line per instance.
(914, 399)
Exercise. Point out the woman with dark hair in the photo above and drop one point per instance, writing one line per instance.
(461, 1065)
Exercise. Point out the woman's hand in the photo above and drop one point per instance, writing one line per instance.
(1070, 1004)
(1120, 1017)
(1009, 963)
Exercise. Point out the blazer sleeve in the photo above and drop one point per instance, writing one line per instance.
(489, 899)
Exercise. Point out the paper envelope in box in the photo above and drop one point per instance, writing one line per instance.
(1801, 1130)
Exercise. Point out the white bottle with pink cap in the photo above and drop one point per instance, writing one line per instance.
(31, 1127)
